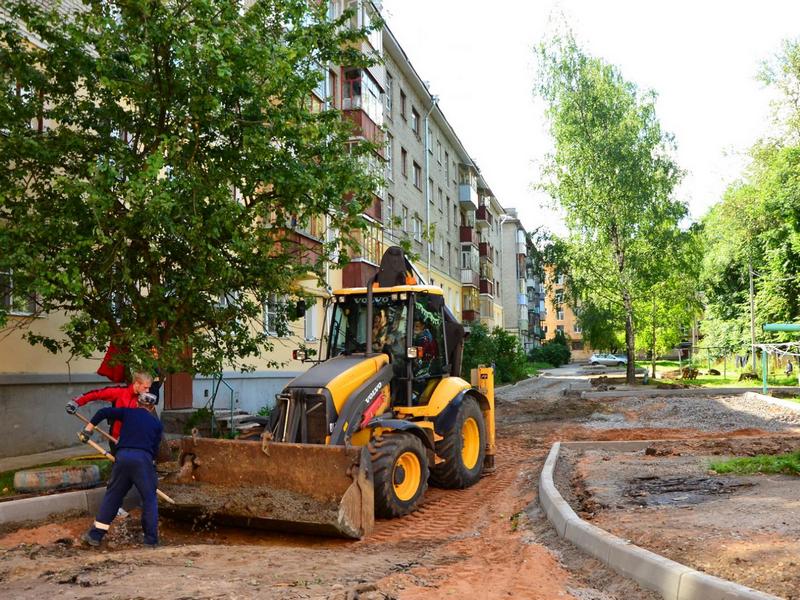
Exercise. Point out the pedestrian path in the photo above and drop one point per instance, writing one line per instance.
(26, 461)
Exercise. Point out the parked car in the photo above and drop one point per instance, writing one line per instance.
(617, 360)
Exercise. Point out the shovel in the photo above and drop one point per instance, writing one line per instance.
(110, 456)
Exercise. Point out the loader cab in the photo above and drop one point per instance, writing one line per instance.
(407, 325)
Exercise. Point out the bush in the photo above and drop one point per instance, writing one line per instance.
(498, 348)
(555, 351)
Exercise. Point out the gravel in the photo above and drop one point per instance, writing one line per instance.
(722, 413)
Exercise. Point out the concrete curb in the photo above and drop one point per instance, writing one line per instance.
(672, 580)
(654, 393)
(16, 512)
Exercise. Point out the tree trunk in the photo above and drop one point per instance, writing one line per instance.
(653, 346)
(630, 339)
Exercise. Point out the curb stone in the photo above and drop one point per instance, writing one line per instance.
(42, 507)
(671, 579)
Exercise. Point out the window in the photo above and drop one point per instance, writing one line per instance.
(15, 304)
(310, 323)
(403, 104)
(334, 89)
(441, 199)
(405, 219)
(439, 151)
(359, 90)
(560, 315)
(446, 166)
(560, 328)
(449, 256)
(389, 93)
(373, 243)
(417, 176)
(388, 213)
(275, 316)
(430, 190)
(577, 328)
(415, 121)
(404, 162)
(441, 246)
(389, 157)
(417, 228)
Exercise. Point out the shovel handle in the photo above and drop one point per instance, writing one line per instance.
(110, 457)
(108, 436)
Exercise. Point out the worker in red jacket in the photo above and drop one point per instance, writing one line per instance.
(118, 396)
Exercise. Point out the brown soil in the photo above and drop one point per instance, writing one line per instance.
(490, 541)
(666, 499)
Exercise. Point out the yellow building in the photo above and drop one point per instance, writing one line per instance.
(560, 316)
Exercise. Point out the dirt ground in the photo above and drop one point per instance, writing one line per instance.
(489, 542)
(666, 498)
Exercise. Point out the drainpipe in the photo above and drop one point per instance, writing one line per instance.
(434, 100)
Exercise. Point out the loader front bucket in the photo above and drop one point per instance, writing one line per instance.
(299, 488)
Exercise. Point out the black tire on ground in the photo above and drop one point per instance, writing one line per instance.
(453, 473)
(594, 364)
(400, 471)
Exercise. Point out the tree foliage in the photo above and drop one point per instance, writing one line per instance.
(554, 351)
(613, 175)
(178, 152)
(499, 348)
(756, 226)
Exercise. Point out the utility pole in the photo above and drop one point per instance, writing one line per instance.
(752, 315)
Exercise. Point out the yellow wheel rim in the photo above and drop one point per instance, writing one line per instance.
(470, 443)
(406, 476)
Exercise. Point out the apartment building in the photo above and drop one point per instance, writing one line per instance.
(514, 272)
(560, 316)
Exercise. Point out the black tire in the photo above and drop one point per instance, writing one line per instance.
(398, 492)
(595, 363)
(453, 473)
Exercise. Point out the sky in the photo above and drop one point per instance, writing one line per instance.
(701, 57)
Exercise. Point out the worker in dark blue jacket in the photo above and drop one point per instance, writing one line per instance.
(137, 449)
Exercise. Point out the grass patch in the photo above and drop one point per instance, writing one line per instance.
(7, 477)
(667, 365)
(534, 368)
(787, 464)
(732, 380)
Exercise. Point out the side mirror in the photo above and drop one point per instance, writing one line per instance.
(300, 355)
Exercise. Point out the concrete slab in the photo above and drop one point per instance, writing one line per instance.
(649, 569)
(44, 507)
(697, 586)
(788, 404)
(644, 392)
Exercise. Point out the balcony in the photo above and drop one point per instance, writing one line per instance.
(486, 287)
(469, 277)
(467, 235)
(486, 250)
(470, 316)
(522, 300)
(365, 127)
(468, 196)
(483, 218)
(522, 249)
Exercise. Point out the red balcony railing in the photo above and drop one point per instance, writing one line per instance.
(486, 250)
(483, 214)
(487, 287)
(467, 234)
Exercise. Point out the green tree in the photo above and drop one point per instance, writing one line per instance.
(175, 150)
(612, 174)
(755, 228)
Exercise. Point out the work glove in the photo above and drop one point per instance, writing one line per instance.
(85, 435)
(71, 407)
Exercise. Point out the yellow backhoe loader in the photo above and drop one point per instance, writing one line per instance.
(361, 433)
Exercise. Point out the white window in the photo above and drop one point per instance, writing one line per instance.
(388, 216)
(389, 93)
(418, 229)
(310, 323)
(14, 303)
(430, 190)
(405, 219)
(274, 316)
(390, 157)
